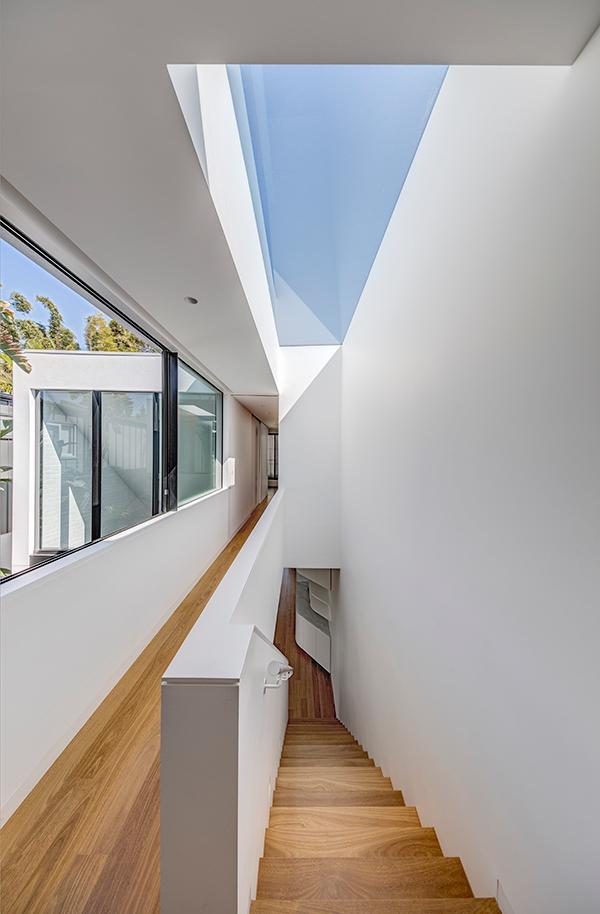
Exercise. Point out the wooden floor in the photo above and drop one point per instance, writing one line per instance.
(341, 841)
(86, 840)
(310, 692)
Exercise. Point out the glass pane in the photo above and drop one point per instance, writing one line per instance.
(65, 469)
(199, 433)
(63, 348)
(130, 459)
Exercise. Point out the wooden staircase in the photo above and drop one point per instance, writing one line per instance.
(341, 840)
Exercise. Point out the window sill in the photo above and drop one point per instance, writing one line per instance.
(202, 497)
(37, 574)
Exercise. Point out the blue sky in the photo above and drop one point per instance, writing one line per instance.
(19, 274)
(327, 150)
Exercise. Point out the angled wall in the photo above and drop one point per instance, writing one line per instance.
(309, 454)
(467, 624)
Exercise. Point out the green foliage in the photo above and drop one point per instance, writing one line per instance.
(30, 334)
(19, 333)
(61, 336)
(20, 303)
(102, 335)
(35, 335)
(98, 337)
(10, 346)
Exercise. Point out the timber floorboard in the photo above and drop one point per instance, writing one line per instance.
(310, 691)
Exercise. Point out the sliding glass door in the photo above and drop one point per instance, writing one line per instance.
(65, 469)
(130, 471)
(99, 464)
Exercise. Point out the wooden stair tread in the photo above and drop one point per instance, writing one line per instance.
(368, 878)
(324, 779)
(324, 751)
(289, 841)
(332, 761)
(289, 796)
(328, 817)
(389, 906)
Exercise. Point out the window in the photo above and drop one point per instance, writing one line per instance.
(273, 458)
(65, 469)
(130, 469)
(83, 498)
(199, 421)
(107, 428)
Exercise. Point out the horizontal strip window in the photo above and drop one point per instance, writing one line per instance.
(96, 411)
(199, 435)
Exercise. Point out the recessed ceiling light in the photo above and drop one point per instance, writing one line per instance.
(191, 300)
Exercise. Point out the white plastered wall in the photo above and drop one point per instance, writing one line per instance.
(242, 463)
(467, 624)
(309, 454)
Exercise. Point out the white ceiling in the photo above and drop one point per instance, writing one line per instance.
(264, 408)
(93, 137)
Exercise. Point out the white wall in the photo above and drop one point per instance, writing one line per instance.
(467, 626)
(70, 630)
(242, 450)
(309, 454)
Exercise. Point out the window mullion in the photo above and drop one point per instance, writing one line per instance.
(169, 436)
(96, 464)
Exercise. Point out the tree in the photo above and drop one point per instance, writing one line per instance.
(98, 337)
(10, 347)
(61, 336)
(111, 336)
(19, 333)
(35, 335)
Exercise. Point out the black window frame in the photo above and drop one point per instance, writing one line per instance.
(165, 492)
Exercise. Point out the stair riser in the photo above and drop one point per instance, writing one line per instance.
(288, 797)
(397, 906)
(316, 725)
(327, 762)
(313, 735)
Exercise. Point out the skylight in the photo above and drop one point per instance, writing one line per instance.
(327, 149)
